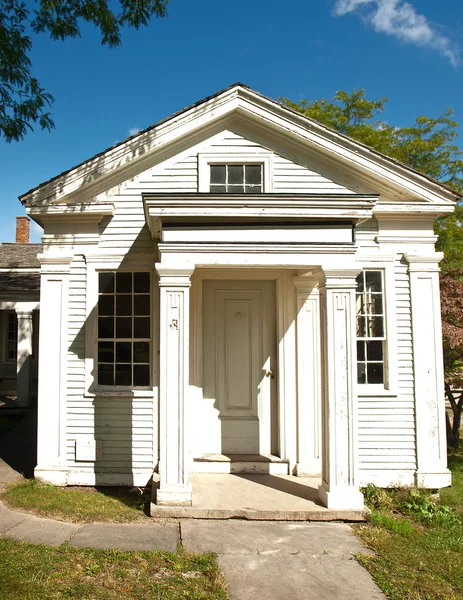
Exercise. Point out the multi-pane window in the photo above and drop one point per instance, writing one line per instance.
(124, 329)
(11, 336)
(236, 179)
(370, 327)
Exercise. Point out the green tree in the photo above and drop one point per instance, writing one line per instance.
(23, 102)
(428, 145)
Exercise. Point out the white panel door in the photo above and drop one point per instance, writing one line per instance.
(240, 363)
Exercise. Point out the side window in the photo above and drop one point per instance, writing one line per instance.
(124, 329)
(236, 179)
(371, 338)
(11, 336)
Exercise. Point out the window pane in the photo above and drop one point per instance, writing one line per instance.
(360, 305)
(123, 374)
(141, 282)
(253, 174)
(235, 189)
(219, 189)
(105, 352)
(142, 305)
(123, 283)
(123, 352)
(218, 173)
(235, 174)
(106, 305)
(253, 189)
(105, 327)
(375, 327)
(124, 327)
(360, 350)
(375, 304)
(141, 375)
(373, 281)
(375, 351)
(375, 373)
(141, 352)
(361, 378)
(123, 305)
(141, 328)
(360, 327)
(360, 286)
(106, 283)
(106, 374)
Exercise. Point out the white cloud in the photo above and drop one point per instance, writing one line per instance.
(134, 130)
(400, 19)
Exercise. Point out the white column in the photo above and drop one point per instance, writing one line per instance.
(339, 489)
(51, 450)
(308, 377)
(431, 446)
(174, 284)
(23, 354)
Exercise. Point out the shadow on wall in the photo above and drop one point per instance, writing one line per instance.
(111, 435)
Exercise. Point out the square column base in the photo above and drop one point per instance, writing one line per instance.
(308, 469)
(341, 498)
(171, 495)
(54, 475)
(433, 481)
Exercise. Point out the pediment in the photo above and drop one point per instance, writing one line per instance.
(314, 152)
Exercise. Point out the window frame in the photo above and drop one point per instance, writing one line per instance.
(389, 388)
(205, 160)
(96, 265)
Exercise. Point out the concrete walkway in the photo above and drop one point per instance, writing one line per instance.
(260, 560)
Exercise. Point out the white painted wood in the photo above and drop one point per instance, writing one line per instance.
(428, 370)
(240, 364)
(174, 369)
(340, 481)
(308, 377)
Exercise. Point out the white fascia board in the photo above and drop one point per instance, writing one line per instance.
(401, 209)
(358, 155)
(259, 206)
(139, 152)
(89, 213)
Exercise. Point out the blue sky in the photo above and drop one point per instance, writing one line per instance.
(409, 52)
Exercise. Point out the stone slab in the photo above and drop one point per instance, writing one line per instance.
(268, 538)
(296, 576)
(42, 531)
(150, 536)
(9, 518)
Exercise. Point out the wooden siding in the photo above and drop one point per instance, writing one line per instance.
(387, 425)
(125, 426)
(181, 175)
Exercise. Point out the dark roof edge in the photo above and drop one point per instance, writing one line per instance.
(131, 137)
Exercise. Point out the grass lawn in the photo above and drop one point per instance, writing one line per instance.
(417, 538)
(29, 572)
(77, 505)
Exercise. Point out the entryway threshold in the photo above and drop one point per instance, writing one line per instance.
(254, 498)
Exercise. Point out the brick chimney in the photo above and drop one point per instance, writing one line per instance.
(23, 225)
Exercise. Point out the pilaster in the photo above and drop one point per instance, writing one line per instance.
(431, 447)
(308, 377)
(339, 487)
(24, 354)
(174, 284)
(51, 451)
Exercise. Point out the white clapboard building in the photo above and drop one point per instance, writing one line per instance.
(240, 281)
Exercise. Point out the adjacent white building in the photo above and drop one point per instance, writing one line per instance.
(240, 283)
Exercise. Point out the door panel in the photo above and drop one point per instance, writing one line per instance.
(239, 348)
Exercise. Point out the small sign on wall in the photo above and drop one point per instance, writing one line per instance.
(88, 449)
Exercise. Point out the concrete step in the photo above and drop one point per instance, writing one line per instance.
(241, 463)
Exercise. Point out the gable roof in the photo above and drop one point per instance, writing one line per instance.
(134, 153)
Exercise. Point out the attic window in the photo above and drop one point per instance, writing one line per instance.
(236, 179)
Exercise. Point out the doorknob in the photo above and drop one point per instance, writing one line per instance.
(270, 374)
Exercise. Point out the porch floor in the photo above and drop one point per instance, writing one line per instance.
(254, 497)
